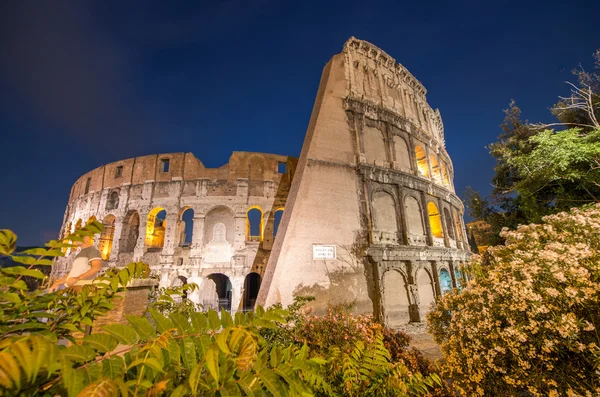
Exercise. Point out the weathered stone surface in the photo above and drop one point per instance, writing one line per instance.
(373, 184)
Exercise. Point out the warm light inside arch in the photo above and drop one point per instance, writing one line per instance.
(435, 220)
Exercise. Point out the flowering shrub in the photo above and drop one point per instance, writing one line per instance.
(527, 324)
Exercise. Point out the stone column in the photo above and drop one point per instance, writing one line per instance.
(237, 286)
(197, 235)
(452, 266)
(239, 239)
(170, 241)
(114, 249)
(436, 278)
(140, 245)
(413, 293)
(426, 219)
(444, 225)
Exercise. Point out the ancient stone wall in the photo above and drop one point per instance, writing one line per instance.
(129, 197)
(372, 216)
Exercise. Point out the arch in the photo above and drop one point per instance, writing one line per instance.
(277, 215)
(414, 216)
(254, 224)
(374, 145)
(113, 201)
(106, 238)
(396, 300)
(185, 226)
(91, 219)
(130, 232)
(384, 212)
(402, 153)
(422, 164)
(435, 220)
(435, 168)
(426, 292)
(78, 225)
(445, 174)
(155, 228)
(449, 224)
(223, 289)
(445, 281)
(219, 214)
(251, 287)
(458, 226)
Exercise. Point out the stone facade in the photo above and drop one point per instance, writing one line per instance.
(223, 254)
(370, 210)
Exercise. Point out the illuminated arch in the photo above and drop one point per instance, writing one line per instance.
(277, 215)
(254, 224)
(422, 164)
(106, 238)
(91, 219)
(155, 228)
(435, 220)
(78, 225)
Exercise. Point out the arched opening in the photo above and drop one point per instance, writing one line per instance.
(445, 174)
(113, 201)
(422, 164)
(426, 292)
(414, 219)
(445, 281)
(186, 227)
(396, 298)
(106, 238)
(254, 224)
(251, 288)
(449, 224)
(130, 232)
(458, 226)
(374, 145)
(277, 220)
(402, 153)
(223, 289)
(385, 219)
(435, 168)
(91, 219)
(155, 228)
(78, 224)
(435, 220)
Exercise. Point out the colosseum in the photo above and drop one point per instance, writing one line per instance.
(367, 214)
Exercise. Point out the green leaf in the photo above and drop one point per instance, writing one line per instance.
(212, 363)
(100, 388)
(20, 284)
(181, 323)
(161, 322)
(226, 320)
(188, 350)
(214, 321)
(21, 271)
(122, 333)
(142, 327)
(113, 367)
(79, 353)
(27, 260)
(8, 242)
(101, 342)
(9, 296)
(272, 382)
(181, 391)
(148, 361)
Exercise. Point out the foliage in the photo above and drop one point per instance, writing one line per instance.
(538, 171)
(52, 315)
(528, 322)
(174, 300)
(172, 350)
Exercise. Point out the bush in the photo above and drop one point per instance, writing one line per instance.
(528, 322)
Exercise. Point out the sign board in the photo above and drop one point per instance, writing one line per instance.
(323, 252)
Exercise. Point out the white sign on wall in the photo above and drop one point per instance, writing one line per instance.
(323, 252)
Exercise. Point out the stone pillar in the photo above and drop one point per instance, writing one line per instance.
(403, 217)
(198, 235)
(140, 245)
(170, 241)
(239, 239)
(413, 293)
(237, 286)
(164, 276)
(114, 249)
(436, 279)
(426, 219)
(444, 225)
(452, 265)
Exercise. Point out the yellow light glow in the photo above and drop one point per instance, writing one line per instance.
(435, 220)
(422, 164)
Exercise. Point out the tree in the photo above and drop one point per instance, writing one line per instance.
(540, 171)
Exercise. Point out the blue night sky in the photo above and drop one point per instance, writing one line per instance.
(86, 83)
